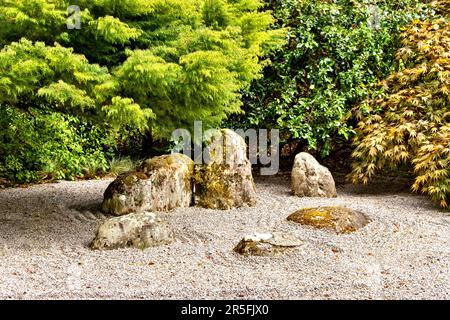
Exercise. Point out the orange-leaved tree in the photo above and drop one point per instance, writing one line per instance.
(409, 122)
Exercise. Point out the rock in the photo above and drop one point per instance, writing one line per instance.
(139, 230)
(310, 179)
(263, 244)
(160, 184)
(339, 219)
(225, 181)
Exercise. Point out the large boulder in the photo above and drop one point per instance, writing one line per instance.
(264, 244)
(139, 230)
(339, 219)
(160, 184)
(310, 179)
(225, 181)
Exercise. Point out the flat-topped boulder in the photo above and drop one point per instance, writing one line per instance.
(160, 184)
(338, 219)
(264, 244)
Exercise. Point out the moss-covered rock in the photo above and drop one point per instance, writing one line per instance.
(160, 184)
(226, 180)
(339, 219)
(139, 230)
(265, 244)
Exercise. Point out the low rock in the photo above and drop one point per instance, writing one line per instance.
(263, 244)
(225, 181)
(339, 219)
(139, 230)
(160, 184)
(310, 179)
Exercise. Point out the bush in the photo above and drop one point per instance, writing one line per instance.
(409, 121)
(335, 51)
(172, 61)
(134, 66)
(39, 145)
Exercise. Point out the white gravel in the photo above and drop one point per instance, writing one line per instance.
(402, 254)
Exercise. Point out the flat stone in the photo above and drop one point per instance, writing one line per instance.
(265, 244)
(339, 219)
(160, 184)
(226, 180)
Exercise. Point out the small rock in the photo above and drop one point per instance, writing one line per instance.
(139, 230)
(310, 179)
(339, 219)
(226, 180)
(263, 244)
(160, 184)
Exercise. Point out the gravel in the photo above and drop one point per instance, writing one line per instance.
(402, 254)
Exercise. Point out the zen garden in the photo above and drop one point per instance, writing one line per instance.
(224, 149)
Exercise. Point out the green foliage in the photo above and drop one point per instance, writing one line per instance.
(410, 121)
(134, 65)
(35, 75)
(185, 60)
(36, 145)
(335, 51)
(199, 55)
(118, 166)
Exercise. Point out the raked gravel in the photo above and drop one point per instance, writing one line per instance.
(404, 253)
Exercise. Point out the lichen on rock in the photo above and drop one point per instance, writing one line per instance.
(159, 184)
(139, 230)
(266, 244)
(225, 181)
(339, 219)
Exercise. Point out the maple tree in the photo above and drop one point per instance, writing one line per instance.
(409, 121)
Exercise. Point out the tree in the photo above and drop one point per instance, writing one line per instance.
(134, 64)
(184, 59)
(409, 122)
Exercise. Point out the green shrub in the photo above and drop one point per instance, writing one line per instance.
(134, 66)
(173, 61)
(36, 145)
(335, 51)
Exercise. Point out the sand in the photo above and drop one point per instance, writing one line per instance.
(402, 254)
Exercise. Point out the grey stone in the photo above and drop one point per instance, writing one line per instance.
(310, 179)
(160, 184)
(139, 230)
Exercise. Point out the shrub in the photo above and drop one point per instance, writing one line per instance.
(335, 51)
(134, 65)
(409, 122)
(178, 60)
(38, 145)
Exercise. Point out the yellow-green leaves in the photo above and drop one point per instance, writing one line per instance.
(33, 73)
(333, 56)
(123, 111)
(410, 123)
(62, 94)
(115, 31)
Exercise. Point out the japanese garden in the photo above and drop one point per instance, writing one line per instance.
(224, 149)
